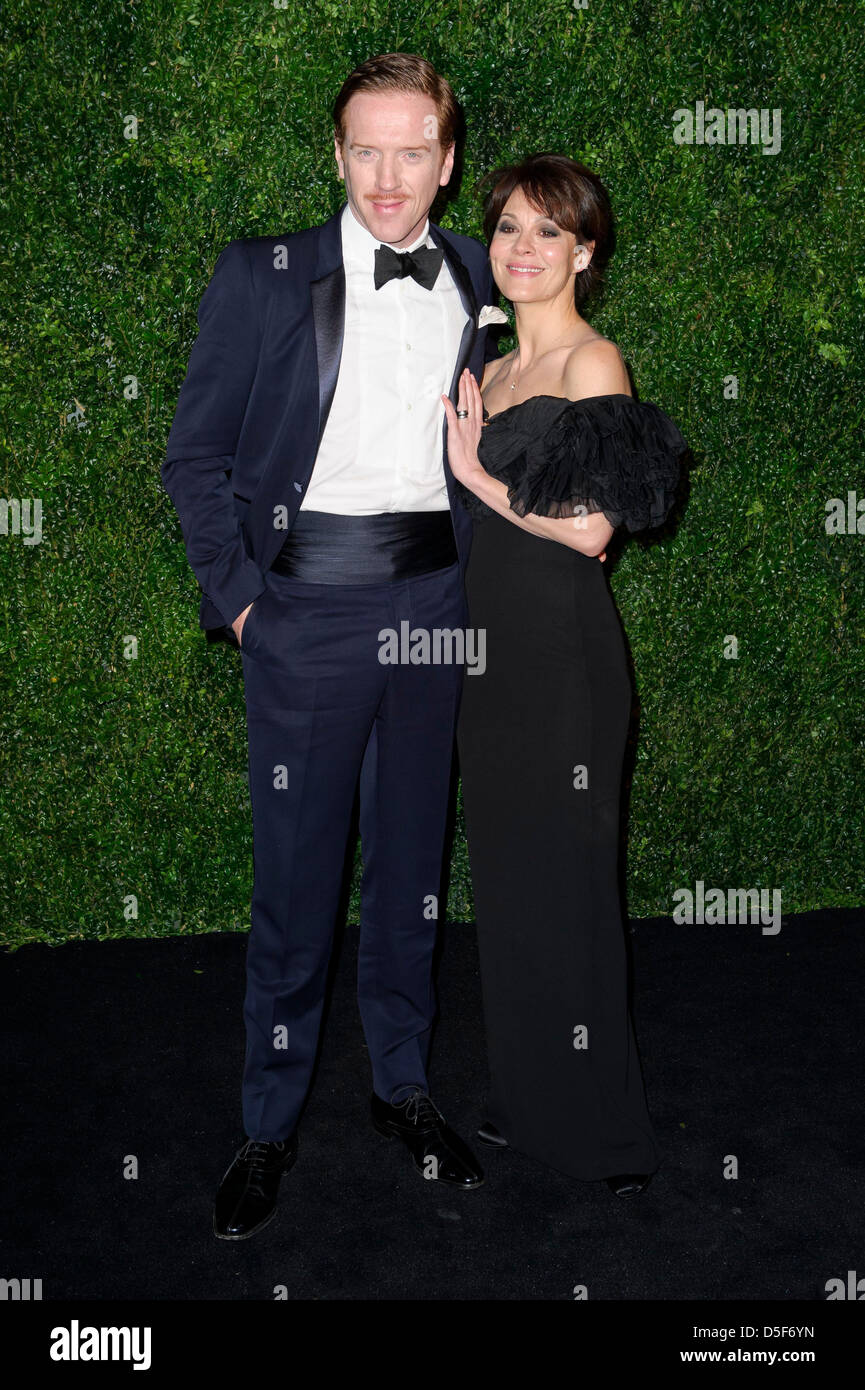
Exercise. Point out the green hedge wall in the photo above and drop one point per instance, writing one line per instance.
(126, 776)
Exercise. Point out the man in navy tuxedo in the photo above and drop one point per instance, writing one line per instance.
(307, 463)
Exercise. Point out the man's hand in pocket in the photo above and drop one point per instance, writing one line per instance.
(237, 625)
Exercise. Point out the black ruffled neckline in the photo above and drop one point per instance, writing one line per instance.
(566, 400)
(560, 458)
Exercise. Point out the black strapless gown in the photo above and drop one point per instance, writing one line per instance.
(541, 739)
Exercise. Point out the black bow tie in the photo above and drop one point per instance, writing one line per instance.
(422, 265)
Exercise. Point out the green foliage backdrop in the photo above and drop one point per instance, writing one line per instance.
(127, 776)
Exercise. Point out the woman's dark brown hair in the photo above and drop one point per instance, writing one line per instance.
(400, 72)
(568, 193)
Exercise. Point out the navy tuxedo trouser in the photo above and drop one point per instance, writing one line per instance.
(322, 711)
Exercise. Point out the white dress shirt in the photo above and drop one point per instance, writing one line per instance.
(381, 450)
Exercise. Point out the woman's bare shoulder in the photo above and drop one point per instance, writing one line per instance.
(595, 367)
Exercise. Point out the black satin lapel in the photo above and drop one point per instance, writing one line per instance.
(470, 304)
(328, 311)
(458, 271)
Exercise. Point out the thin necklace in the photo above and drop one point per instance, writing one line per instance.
(517, 377)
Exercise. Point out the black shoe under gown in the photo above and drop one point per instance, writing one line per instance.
(541, 740)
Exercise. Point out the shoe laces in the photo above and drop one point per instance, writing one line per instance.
(254, 1155)
(419, 1110)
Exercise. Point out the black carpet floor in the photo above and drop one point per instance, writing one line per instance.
(751, 1046)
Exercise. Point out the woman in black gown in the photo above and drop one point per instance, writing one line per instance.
(549, 458)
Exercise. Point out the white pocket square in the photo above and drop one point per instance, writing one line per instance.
(490, 314)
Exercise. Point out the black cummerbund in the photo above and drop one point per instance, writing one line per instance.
(332, 548)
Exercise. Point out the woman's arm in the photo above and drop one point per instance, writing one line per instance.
(588, 534)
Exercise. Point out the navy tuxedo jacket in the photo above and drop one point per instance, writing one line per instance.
(259, 385)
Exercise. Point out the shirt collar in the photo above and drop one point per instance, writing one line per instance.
(359, 245)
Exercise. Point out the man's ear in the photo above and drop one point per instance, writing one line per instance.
(337, 151)
(448, 164)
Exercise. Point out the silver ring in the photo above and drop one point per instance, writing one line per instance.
(462, 415)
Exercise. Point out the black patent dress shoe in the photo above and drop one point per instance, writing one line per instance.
(629, 1184)
(489, 1135)
(437, 1151)
(246, 1200)
(623, 1184)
